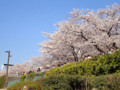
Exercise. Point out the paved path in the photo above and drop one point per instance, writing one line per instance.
(3, 89)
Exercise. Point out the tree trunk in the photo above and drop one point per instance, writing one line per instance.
(74, 54)
(114, 45)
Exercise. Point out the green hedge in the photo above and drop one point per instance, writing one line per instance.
(59, 82)
(31, 76)
(20, 85)
(76, 82)
(106, 82)
(2, 81)
(27, 77)
(72, 82)
(99, 65)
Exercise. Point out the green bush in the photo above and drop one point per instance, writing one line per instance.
(30, 76)
(2, 81)
(99, 65)
(41, 74)
(20, 85)
(61, 82)
(72, 82)
(106, 82)
(26, 77)
(23, 77)
(77, 82)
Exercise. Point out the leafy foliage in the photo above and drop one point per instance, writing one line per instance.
(106, 82)
(72, 82)
(2, 81)
(100, 65)
(29, 76)
(20, 85)
(23, 77)
(55, 82)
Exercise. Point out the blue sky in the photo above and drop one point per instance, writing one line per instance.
(23, 21)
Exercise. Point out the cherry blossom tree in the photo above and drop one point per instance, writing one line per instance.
(40, 61)
(18, 68)
(2, 72)
(85, 33)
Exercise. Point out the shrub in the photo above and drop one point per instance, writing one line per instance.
(41, 74)
(26, 77)
(23, 77)
(106, 82)
(62, 82)
(30, 76)
(20, 85)
(77, 82)
(99, 65)
(72, 82)
(2, 81)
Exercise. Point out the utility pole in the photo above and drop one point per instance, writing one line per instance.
(7, 68)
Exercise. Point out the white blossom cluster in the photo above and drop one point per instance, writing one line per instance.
(17, 69)
(86, 32)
